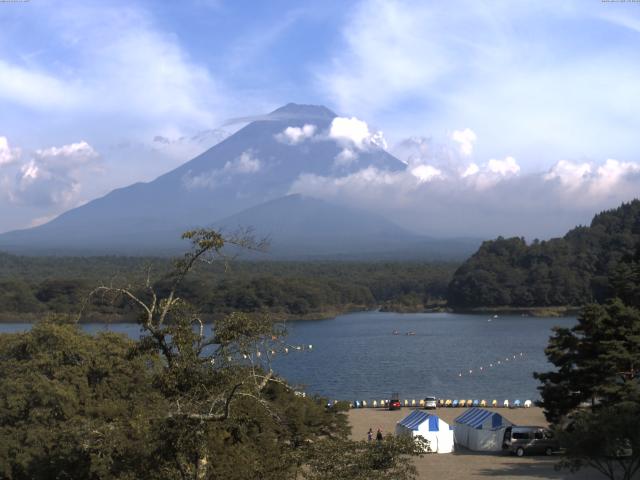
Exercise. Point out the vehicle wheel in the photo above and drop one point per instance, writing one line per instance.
(520, 452)
(548, 452)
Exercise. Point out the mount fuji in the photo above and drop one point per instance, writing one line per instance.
(245, 181)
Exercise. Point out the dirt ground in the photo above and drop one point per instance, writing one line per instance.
(464, 464)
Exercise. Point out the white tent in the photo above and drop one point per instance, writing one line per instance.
(437, 432)
(480, 430)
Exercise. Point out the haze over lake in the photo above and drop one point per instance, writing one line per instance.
(357, 356)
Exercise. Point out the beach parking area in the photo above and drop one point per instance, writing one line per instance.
(465, 464)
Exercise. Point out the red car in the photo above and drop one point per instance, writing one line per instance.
(394, 403)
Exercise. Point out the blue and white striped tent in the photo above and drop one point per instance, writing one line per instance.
(432, 428)
(481, 430)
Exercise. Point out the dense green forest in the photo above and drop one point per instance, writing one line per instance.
(572, 270)
(177, 403)
(31, 286)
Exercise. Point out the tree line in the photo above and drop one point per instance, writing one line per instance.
(570, 271)
(41, 285)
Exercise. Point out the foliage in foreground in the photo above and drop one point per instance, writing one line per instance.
(74, 406)
(607, 440)
(597, 360)
(340, 459)
(177, 404)
(593, 397)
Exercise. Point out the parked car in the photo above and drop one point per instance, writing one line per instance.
(530, 441)
(394, 403)
(430, 403)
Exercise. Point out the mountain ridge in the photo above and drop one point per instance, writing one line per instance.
(257, 164)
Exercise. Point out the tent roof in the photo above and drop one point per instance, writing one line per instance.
(476, 417)
(417, 418)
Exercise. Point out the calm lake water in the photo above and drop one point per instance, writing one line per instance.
(357, 356)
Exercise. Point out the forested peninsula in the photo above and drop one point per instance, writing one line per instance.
(574, 270)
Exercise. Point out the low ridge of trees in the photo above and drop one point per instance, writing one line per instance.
(41, 285)
(569, 271)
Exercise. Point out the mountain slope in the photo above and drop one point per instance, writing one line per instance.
(572, 270)
(256, 164)
(302, 226)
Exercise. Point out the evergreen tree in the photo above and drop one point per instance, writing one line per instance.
(598, 360)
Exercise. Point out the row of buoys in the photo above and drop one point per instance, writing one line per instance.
(497, 363)
(285, 349)
(442, 403)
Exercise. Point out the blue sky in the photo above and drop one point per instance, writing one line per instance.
(85, 87)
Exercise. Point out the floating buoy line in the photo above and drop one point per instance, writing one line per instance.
(267, 353)
(497, 363)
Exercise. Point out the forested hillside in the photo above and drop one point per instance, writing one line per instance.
(572, 270)
(33, 286)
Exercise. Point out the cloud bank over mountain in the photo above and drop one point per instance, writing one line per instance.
(445, 191)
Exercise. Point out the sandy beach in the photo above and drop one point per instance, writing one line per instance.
(464, 464)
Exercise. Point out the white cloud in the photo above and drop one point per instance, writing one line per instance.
(386, 54)
(8, 155)
(569, 174)
(36, 89)
(355, 131)
(491, 173)
(175, 148)
(346, 157)
(430, 160)
(67, 155)
(413, 149)
(426, 173)
(52, 176)
(116, 62)
(598, 180)
(612, 174)
(377, 139)
(465, 138)
(295, 135)
(471, 169)
(352, 129)
(505, 167)
(38, 186)
(245, 164)
(426, 66)
(483, 200)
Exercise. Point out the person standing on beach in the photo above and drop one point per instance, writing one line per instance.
(370, 435)
(379, 435)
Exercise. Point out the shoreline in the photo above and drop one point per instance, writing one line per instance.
(97, 317)
(554, 311)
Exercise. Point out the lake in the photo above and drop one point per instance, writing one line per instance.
(357, 356)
